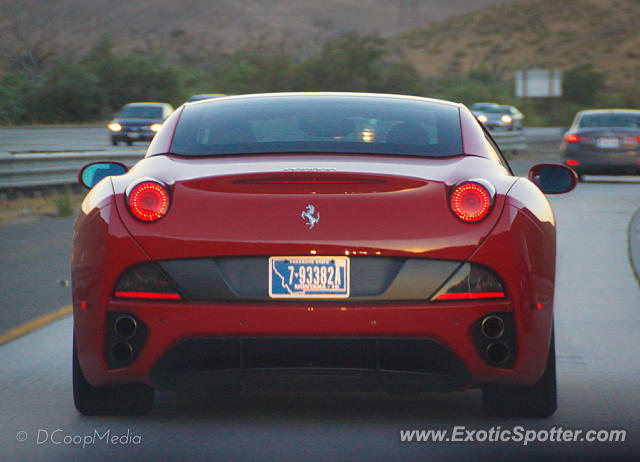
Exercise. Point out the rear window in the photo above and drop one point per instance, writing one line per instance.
(303, 123)
(627, 120)
(141, 112)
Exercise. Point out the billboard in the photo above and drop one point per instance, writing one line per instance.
(539, 83)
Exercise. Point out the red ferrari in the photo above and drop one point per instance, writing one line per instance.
(316, 241)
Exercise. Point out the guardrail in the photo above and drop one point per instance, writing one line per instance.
(514, 141)
(21, 171)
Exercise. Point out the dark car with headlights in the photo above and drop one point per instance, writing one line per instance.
(501, 117)
(603, 141)
(138, 122)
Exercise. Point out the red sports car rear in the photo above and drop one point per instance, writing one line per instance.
(316, 241)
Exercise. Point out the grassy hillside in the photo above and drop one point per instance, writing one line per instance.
(204, 28)
(533, 34)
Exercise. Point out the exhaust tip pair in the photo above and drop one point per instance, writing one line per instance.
(125, 337)
(492, 328)
(125, 327)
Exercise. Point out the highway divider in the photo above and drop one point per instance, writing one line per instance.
(510, 141)
(28, 171)
(39, 170)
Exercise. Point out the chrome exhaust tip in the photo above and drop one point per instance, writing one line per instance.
(497, 353)
(122, 352)
(492, 327)
(125, 326)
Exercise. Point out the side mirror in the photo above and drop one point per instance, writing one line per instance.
(553, 178)
(92, 173)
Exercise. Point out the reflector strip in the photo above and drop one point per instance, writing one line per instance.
(470, 295)
(148, 295)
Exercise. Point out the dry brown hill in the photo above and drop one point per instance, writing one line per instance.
(202, 28)
(533, 33)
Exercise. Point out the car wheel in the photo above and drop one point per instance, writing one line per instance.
(114, 142)
(539, 400)
(129, 143)
(129, 399)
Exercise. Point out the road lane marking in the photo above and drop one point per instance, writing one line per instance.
(35, 324)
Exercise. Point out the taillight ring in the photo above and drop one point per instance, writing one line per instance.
(472, 200)
(148, 199)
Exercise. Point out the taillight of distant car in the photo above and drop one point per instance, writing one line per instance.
(471, 201)
(577, 139)
(148, 201)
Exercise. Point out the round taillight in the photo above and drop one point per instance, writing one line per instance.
(148, 201)
(471, 201)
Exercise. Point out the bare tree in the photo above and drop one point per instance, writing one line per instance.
(27, 39)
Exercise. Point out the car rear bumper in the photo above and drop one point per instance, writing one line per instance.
(603, 162)
(236, 364)
(387, 346)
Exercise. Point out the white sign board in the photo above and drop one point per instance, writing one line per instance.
(538, 83)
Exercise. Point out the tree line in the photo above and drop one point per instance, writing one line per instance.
(91, 87)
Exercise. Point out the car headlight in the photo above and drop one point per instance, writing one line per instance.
(156, 127)
(506, 119)
(115, 127)
(482, 118)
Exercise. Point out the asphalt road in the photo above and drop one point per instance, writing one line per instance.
(597, 335)
(36, 252)
(58, 139)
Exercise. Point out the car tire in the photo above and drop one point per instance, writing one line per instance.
(539, 400)
(128, 399)
(114, 141)
(129, 143)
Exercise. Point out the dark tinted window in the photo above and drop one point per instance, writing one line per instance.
(319, 123)
(141, 112)
(628, 120)
(482, 106)
(499, 110)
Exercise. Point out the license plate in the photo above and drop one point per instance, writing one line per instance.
(309, 277)
(608, 143)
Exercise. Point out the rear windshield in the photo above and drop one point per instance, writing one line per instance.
(141, 112)
(627, 120)
(302, 123)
